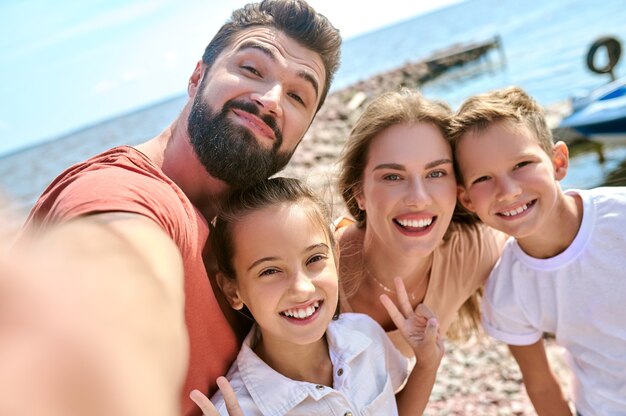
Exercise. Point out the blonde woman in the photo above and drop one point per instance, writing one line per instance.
(397, 180)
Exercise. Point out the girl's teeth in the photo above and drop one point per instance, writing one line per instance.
(302, 313)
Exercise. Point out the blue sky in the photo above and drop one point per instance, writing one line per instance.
(67, 64)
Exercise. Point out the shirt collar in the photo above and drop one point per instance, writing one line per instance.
(345, 341)
(275, 394)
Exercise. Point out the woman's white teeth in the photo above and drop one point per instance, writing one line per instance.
(302, 313)
(416, 223)
(516, 211)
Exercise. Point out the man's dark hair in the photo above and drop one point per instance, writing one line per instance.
(296, 19)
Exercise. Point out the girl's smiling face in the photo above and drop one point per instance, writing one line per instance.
(285, 273)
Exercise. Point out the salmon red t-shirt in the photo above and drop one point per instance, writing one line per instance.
(124, 180)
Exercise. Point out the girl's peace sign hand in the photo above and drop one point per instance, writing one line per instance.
(203, 402)
(419, 327)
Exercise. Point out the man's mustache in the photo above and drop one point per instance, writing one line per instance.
(254, 109)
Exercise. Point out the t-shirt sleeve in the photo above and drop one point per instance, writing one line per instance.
(340, 225)
(467, 259)
(503, 315)
(489, 243)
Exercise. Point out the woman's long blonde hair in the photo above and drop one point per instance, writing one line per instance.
(389, 109)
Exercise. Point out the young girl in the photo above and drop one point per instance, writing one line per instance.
(276, 259)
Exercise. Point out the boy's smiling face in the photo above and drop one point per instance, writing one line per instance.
(508, 179)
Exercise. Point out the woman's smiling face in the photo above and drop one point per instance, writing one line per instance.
(408, 188)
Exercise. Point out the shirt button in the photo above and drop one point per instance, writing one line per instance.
(340, 371)
(319, 387)
(347, 414)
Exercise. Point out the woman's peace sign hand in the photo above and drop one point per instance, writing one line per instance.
(419, 327)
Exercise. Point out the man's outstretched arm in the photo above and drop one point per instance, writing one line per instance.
(92, 320)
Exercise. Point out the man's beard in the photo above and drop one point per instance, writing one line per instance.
(229, 151)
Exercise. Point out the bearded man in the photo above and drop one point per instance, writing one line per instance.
(132, 222)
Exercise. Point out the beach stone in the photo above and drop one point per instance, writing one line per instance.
(357, 100)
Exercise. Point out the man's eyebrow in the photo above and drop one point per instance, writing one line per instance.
(270, 53)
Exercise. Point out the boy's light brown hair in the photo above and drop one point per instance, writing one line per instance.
(481, 111)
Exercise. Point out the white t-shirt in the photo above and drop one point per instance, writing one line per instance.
(367, 372)
(578, 295)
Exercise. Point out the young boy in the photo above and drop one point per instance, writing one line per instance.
(564, 270)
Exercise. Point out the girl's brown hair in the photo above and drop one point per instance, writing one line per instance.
(261, 195)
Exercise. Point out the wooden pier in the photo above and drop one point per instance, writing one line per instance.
(461, 54)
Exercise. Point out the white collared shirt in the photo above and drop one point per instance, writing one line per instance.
(367, 372)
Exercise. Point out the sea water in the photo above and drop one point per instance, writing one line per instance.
(545, 44)
(544, 51)
(544, 48)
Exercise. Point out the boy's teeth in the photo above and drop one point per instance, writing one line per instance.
(512, 212)
(416, 223)
(302, 313)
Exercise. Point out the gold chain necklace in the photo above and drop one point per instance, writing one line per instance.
(382, 285)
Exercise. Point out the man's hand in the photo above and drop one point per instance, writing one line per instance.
(91, 323)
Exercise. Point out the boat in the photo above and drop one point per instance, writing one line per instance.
(602, 112)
